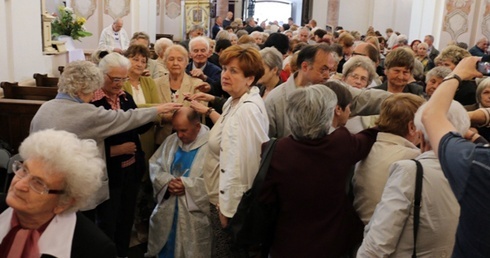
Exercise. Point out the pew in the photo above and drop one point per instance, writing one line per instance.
(15, 119)
(14, 91)
(44, 80)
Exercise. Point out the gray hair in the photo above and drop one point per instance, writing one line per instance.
(201, 39)
(240, 33)
(310, 111)
(360, 61)
(77, 161)
(223, 34)
(113, 60)
(438, 71)
(457, 116)
(485, 83)
(178, 48)
(418, 70)
(161, 44)
(272, 58)
(80, 76)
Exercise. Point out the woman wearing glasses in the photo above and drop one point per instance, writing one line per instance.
(124, 157)
(60, 175)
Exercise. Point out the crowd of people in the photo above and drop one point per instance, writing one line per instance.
(167, 147)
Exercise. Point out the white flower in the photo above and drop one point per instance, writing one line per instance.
(69, 9)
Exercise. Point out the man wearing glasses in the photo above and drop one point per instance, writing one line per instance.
(60, 174)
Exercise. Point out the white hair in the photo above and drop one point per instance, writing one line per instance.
(201, 39)
(77, 161)
(161, 44)
(114, 60)
(457, 116)
(80, 76)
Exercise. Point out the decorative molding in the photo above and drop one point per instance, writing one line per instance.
(84, 8)
(456, 19)
(158, 7)
(173, 8)
(117, 8)
(485, 24)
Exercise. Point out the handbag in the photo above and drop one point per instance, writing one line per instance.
(253, 223)
(416, 208)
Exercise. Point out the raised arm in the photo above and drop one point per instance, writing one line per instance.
(434, 116)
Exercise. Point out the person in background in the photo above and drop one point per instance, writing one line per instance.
(398, 69)
(125, 158)
(221, 45)
(414, 45)
(272, 61)
(141, 38)
(59, 175)
(480, 48)
(465, 164)
(194, 31)
(160, 46)
(358, 72)
(450, 57)
(200, 67)
(228, 19)
(180, 225)
(173, 86)
(218, 26)
(390, 230)
(432, 52)
(434, 78)
(114, 37)
(342, 109)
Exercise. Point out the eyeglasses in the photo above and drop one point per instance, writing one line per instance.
(35, 183)
(117, 79)
(358, 77)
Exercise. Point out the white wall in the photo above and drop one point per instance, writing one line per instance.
(319, 13)
(355, 15)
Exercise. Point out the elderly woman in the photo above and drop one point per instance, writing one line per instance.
(390, 231)
(272, 61)
(160, 46)
(483, 94)
(450, 57)
(434, 78)
(307, 178)
(397, 140)
(234, 141)
(69, 111)
(358, 72)
(421, 55)
(125, 158)
(59, 175)
(173, 86)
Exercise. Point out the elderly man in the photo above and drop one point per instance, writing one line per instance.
(398, 69)
(114, 37)
(179, 225)
(480, 48)
(432, 52)
(252, 25)
(194, 31)
(201, 68)
(315, 63)
(228, 20)
(60, 174)
(218, 26)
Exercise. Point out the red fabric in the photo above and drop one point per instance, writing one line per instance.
(21, 243)
(285, 75)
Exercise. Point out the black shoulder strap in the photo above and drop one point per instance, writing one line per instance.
(416, 208)
(264, 166)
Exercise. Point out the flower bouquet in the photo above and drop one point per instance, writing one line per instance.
(69, 24)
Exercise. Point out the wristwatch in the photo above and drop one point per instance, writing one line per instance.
(452, 76)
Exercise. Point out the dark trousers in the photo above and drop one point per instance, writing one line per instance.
(115, 216)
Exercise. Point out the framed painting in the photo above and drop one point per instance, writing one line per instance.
(197, 13)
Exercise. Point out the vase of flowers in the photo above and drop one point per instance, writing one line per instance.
(69, 24)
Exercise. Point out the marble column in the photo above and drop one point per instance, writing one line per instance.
(221, 8)
(333, 13)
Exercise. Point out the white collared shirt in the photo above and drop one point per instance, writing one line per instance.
(56, 239)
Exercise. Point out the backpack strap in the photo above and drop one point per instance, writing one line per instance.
(416, 208)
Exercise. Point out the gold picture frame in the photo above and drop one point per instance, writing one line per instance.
(197, 13)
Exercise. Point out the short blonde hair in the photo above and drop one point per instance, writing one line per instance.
(397, 111)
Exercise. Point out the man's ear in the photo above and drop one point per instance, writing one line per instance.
(338, 110)
(304, 66)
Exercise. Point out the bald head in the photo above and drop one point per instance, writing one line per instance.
(117, 24)
(185, 122)
(367, 49)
